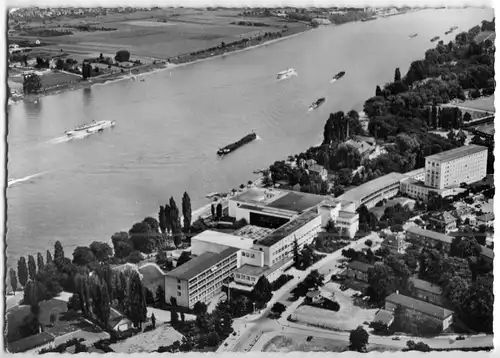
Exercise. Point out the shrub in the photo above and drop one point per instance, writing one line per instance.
(369, 243)
(280, 281)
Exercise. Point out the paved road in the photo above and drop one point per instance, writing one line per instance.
(254, 331)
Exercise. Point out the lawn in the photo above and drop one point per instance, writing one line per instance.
(51, 79)
(295, 343)
(483, 103)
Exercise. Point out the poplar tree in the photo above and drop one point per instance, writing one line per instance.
(162, 219)
(31, 267)
(13, 279)
(49, 259)
(39, 261)
(22, 271)
(186, 211)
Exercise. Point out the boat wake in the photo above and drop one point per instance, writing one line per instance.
(333, 80)
(65, 138)
(11, 182)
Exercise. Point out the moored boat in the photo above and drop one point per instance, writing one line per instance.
(413, 35)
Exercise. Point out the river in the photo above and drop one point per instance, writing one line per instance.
(170, 126)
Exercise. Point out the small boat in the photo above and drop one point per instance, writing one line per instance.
(258, 171)
(317, 103)
(90, 128)
(212, 195)
(286, 74)
(413, 35)
(453, 28)
(435, 39)
(338, 76)
(233, 146)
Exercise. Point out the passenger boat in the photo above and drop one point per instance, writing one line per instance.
(286, 74)
(338, 76)
(90, 128)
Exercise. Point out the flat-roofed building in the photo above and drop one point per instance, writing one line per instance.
(201, 278)
(394, 243)
(417, 189)
(428, 238)
(279, 244)
(466, 164)
(420, 311)
(370, 193)
(426, 291)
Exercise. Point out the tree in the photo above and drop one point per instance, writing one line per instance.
(58, 254)
(212, 207)
(49, 259)
(378, 92)
(278, 308)
(22, 271)
(153, 320)
(477, 306)
(420, 346)
(122, 56)
(397, 75)
(53, 319)
(160, 297)
(101, 250)
(13, 279)
(183, 258)
(39, 260)
(86, 70)
(358, 339)
(83, 256)
(32, 83)
(122, 244)
(74, 302)
(31, 267)
(219, 211)
(137, 297)
(186, 211)
(345, 176)
(199, 308)
(162, 220)
(262, 291)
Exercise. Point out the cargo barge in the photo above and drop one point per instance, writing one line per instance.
(233, 146)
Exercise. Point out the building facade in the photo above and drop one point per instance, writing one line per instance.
(428, 238)
(427, 292)
(358, 271)
(420, 311)
(201, 278)
(466, 164)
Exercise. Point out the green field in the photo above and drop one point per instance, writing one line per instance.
(186, 30)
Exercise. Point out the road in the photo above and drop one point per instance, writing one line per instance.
(251, 327)
(254, 331)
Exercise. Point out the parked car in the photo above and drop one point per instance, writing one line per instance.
(396, 339)
(460, 338)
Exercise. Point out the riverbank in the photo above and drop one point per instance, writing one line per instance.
(181, 60)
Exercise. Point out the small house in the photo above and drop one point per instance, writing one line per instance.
(118, 322)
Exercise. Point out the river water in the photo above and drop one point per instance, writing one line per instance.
(170, 126)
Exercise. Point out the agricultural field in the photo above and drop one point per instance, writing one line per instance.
(146, 35)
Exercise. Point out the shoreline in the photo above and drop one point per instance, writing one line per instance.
(144, 70)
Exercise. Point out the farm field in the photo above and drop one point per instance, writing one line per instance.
(145, 36)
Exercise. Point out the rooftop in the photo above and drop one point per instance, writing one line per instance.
(257, 195)
(415, 172)
(261, 271)
(201, 263)
(30, 342)
(268, 210)
(426, 286)
(253, 232)
(296, 201)
(486, 217)
(290, 227)
(419, 306)
(456, 153)
(359, 266)
(357, 194)
(384, 317)
(487, 252)
(224, 239)
(417, 230)
(347, 214)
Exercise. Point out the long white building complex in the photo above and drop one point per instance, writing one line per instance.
(277, 220)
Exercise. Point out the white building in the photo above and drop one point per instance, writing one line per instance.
(466, 164)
